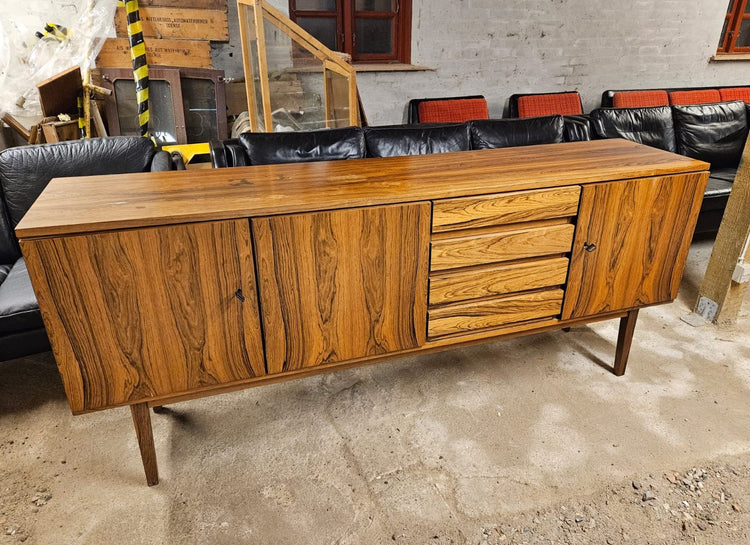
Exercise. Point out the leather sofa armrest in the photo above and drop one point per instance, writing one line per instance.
(162, 162)
(576, 128)
(218, 154)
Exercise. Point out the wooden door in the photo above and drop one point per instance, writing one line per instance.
(342, 285)
(138, 314)
(631, 243)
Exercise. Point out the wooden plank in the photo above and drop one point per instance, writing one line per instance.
(472, 212)
(502, 245)
(720, 297)
(471, 316)
(196, 4)
(639, 258)
(90, 203)
(343, 284)
(185, 23)
(143, 313)
(497, 280)
(188, 53)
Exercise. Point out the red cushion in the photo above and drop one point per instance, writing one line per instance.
(640, 99)
(556, 103)
(452, 110)
(735, 93)
(699, 96)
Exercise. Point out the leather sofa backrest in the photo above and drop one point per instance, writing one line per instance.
(715, 133)
(401, 140)
(26, 170)
(506, 133)
(650, 126)
(269, 148)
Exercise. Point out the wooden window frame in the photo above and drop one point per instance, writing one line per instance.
(734, 19)
(346, 16)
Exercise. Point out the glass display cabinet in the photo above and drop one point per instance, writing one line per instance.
(293, 81)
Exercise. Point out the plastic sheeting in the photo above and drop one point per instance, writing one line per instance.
(26, 60)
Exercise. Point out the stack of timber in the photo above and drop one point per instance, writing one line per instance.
(176, 32)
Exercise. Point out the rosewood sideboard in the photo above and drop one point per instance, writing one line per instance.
(161, 287)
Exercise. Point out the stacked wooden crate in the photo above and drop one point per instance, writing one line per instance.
(176, 32)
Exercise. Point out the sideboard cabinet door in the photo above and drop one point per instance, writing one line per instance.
(142, 313)
(631, 243)
(342, 285)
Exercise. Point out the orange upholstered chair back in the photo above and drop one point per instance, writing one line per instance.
(452, 110)
(549, 104)
(640, 99)
(698, 96)
(735, 93)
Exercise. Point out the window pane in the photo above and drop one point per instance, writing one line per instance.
(374, 5)
(316, 5)
(161, 117)
(323, 28)
(374, 36)
(743, 40)
(199, 102)
(723, 32)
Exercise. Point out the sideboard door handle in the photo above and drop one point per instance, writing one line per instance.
(238, 295)
(589, 246)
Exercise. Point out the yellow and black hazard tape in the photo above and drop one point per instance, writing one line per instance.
(140, 66)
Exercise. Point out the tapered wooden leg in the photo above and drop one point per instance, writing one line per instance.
(566, 329)
(624, 340)
(142, 422)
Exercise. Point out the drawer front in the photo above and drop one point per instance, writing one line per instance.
(501, 245)
(472, 316)
(497, 280)
(505, 208)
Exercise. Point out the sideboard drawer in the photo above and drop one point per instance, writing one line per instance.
(494, 280)
(505, 208)
(475, 315)
(501, 245)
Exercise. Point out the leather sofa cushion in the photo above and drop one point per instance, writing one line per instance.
(4, 270)
(649, 126)
(416, 139)
(506, 133)
(25, 171)
(717, 187)
(712, 132)
(269, 148)
(18, 307)
(727, 173)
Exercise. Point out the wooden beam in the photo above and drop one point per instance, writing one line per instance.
(724, 285)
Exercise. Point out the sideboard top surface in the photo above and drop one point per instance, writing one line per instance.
(96, 203)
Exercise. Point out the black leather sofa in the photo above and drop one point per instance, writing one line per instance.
(714, 133)
(24, 172)
(385, 141)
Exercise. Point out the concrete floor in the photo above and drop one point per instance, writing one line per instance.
(406, 450)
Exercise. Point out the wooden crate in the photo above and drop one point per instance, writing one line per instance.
(188, 53)
(187, 23)
(199, 4)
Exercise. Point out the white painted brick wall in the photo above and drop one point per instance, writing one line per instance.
(500, 47)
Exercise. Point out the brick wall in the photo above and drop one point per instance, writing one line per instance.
(497, 48)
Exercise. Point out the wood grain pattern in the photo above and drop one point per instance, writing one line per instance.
(496, 280)
(137, 314)
(503, 245)
(341, 285)
(471, 316)
(92, 203)
(642, 231)
(513, 207)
